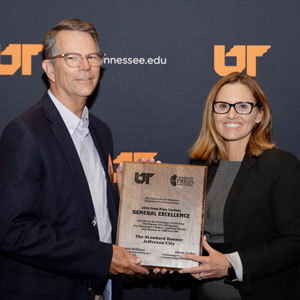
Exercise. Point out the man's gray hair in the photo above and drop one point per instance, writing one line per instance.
(49, 39)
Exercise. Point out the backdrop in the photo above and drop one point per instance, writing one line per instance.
(162, 58)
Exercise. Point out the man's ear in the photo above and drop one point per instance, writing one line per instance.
(48, 67)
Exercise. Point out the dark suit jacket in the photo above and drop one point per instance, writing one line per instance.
(49, 248)
(262, 223)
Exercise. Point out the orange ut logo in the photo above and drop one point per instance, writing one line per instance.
(238, 51)
(21, 55)
(132, 156)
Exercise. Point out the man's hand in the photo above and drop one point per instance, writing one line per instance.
(119, 170)
(213, 266)
(162, 271)
(124, 262)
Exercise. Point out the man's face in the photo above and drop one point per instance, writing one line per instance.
(71, 84)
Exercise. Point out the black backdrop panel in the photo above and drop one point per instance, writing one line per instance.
(157, 107)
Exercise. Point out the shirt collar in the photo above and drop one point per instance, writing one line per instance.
(71, 121)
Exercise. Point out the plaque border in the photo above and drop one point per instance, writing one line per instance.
(203, 206)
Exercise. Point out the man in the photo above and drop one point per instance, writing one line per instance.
(58, 213)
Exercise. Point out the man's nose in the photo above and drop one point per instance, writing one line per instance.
(85, 65)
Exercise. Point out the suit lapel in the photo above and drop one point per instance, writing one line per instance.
(67, 146)
(238, 184)
(99, 140)
(98, 144)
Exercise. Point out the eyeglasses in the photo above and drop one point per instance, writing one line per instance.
(242, 108)
(74, 60)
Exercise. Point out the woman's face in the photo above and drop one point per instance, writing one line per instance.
(233, 127)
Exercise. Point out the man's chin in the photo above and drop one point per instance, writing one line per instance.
(85, 92)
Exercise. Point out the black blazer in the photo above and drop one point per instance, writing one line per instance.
(48, 244)
(262, 223)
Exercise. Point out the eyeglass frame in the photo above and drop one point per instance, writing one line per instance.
(233, 105)
(64, 56)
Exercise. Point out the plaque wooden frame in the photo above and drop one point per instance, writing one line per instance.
(161, 213)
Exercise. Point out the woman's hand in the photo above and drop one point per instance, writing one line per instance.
(213, 266)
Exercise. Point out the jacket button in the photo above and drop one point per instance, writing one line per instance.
(90, 290)
(229, 245)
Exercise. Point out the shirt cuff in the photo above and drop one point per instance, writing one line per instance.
(236, 263)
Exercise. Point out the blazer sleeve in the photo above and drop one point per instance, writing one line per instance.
(27, 238)
(283, 249)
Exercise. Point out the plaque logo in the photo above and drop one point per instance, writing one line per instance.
(173, 180)
(132, 156)
(142, 177)
(179, 180)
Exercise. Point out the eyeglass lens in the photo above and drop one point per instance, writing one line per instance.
(75, 60)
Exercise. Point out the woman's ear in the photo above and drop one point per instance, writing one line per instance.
(260, 115)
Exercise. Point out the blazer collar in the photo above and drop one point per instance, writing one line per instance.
(106, 160)
(239, 182)
(67, 147)
(99, 146)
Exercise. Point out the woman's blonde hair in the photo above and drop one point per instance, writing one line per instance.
(210, 145)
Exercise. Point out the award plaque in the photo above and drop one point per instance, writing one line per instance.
(161, 213)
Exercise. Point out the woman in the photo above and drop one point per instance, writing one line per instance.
(253, 204)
